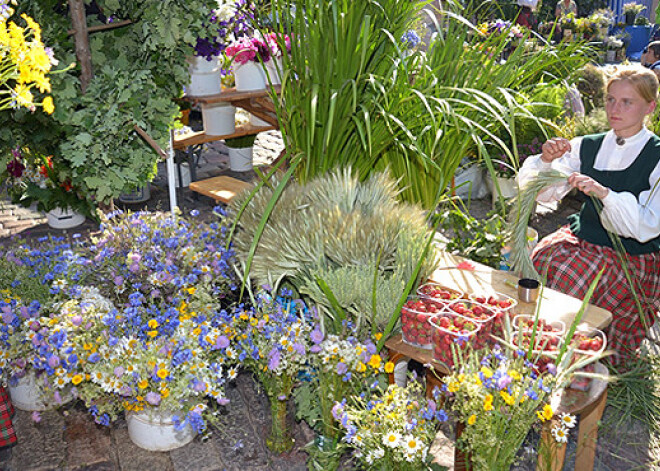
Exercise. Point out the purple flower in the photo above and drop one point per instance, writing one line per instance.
(153, 398)
(222, 342)
(119, 371)
(317, 335)
(36, 417)
(274, 358)
(53, 361)
(223, 401)
(15, 168)
(341, 368)
(76, 320)
(299, 348)
(315, 348)
(7, 316)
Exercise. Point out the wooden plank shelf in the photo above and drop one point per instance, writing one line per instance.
(222, 188)
(200, 137)
(231, 95)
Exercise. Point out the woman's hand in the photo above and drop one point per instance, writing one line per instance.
(588, 185)
(554, 148)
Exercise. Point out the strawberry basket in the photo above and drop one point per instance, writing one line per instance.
(451, 330)
(483, 316)
(439, 293)
(415, 328)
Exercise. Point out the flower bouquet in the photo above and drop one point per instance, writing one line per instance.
(339, 367)
(498, 398)
(273, 340)
(39, 179)
(390, 430)
(143, 258)
(168, 357)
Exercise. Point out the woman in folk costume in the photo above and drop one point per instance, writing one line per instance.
(621, 169)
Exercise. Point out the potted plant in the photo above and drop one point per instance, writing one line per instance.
(614, 45)
(221, 27)
(33, 178)
(602, 19)
(240, 152)
(631, 10)
(246, 53)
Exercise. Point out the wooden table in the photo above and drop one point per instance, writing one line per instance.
(552, 306)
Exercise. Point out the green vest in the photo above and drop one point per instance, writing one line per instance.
(635, 179)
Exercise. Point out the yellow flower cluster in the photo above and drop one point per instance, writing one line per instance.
(24, 65)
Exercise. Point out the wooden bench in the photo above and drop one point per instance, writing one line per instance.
(222, 188)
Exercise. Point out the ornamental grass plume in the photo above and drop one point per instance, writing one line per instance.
(519, 215)
(355, 237)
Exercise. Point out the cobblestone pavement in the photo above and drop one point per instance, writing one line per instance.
(69, 440)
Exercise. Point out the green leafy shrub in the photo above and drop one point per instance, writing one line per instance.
(353, 236)
(594, 123)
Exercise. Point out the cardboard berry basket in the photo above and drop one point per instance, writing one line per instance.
(439, 293)
(415, 328)
(483, 316)
(525, 322)
(451, 329)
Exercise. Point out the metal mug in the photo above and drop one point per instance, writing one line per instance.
(528, 290)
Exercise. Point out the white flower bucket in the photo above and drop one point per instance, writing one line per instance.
(140, 195)
(154, 430)
(611, 55)
(274, 70)
(64, 218)
(219, 119)
(254, 121)
(240, 160)
(204, 76)
(249, 76)
(27, 396)
(508, 188)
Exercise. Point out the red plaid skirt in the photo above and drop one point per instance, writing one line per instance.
(572, 265)
(7, 433)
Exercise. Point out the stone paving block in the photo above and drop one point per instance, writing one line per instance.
(197, 456)
(88, 444)
(18, 225)
(134, 458)
(41, 446)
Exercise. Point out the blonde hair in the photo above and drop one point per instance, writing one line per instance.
(643, 80)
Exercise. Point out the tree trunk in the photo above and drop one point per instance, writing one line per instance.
(81, 38)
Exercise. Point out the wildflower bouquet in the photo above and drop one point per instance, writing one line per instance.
(273, 338)
(339, 367)
(390, 430)
(41, 179)
(69, 339)
(225, 23)
(144, 258)
(36, 278)
(498, 398)
(24, 62)
(165, 358)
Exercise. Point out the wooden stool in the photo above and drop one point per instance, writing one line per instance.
(221, 188)
(589, 406)
(397, 350)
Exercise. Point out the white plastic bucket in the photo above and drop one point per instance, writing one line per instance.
(204, 76)
(254, 121)
(185, 175)
(219, 119)
(154, 430)
(249, 76)
(274, 70)
(64, 218)
(240, 160)
(27, 396)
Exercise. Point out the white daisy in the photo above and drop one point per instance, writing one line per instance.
(568, 420)
(411, 444)
(391, 439)
(560, 434)
(378, 453)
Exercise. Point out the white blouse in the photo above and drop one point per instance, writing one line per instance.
(623, 213)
